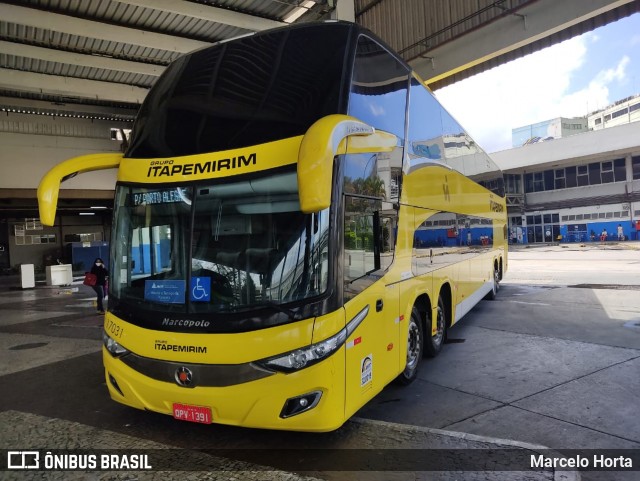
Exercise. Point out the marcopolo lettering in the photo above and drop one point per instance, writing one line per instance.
(168, 168)
(184, 323)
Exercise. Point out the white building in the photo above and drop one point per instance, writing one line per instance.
(621, 112)
(557, 128)
(574, 187)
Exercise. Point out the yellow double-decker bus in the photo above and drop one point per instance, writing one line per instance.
(297, 223)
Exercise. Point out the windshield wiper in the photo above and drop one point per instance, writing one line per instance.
(295, 316)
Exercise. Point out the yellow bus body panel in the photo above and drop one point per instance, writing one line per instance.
(446, 190)
(215, 165)
(255, 403)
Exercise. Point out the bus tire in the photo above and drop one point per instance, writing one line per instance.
(434, 342)
(495, 287)
(415, 346)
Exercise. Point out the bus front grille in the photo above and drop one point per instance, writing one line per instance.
(203, 375)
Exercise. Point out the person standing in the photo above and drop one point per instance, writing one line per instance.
(101, 274)
(620, 233)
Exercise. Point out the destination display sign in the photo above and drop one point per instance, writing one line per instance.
(161, 196)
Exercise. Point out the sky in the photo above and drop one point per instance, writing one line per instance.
(569, 79)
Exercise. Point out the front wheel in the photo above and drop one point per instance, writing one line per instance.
(415, 344)
(435, 340)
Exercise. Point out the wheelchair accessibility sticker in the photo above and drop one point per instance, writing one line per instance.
(200, 289)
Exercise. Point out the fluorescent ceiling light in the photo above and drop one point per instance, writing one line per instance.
(87, 213)
(298, 12)
(97, 207)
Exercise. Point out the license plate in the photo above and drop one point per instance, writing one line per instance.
(194, 414)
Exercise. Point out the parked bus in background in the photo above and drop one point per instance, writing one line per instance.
(297, 223)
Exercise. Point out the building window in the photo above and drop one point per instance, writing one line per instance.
(513, 184)
(548, 180)
(619, 170)
(599, 120)
(570, 177)
(618, 113)
(606, 172)
(583, 175)
(559, 179)
(635, 164)
(538, 182)
(594, 173)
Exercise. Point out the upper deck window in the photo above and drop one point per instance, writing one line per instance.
(434, 135)
(252, 90)
(379, 88)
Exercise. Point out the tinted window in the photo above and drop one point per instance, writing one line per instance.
(253, 90)
(378, 97)
(571, 177)
(379, 88)
(620, 170)
(635, 165)
(434, 135)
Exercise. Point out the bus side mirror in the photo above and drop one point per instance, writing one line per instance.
(49, 187)
(325, 139)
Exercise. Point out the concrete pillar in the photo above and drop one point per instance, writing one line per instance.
(628, 163)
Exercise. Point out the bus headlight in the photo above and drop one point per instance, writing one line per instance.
(115, 349)
(308, 356)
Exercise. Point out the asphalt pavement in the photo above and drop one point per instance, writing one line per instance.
(548, 369)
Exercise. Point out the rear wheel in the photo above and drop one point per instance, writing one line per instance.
(435, 340)
(495, 287)
(415, 345)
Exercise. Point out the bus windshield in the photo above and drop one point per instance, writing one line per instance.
(217, 247)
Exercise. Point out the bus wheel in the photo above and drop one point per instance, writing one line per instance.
(493, 293)
(415, 343)
(435, 341)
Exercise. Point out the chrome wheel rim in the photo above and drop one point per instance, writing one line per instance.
(413, 345)
(439, 335)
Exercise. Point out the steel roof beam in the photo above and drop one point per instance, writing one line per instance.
(41, 105)
(209, 13)
(70, 87)
(95, 61)
(91, 29)
(534, 21)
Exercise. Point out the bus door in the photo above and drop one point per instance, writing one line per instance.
(372, 358)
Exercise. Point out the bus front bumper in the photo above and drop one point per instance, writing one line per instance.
(258, 404)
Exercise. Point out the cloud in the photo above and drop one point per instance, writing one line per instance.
(521, 92)
(528, 90)
(596, 94)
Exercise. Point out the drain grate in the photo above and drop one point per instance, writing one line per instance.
(32, 345)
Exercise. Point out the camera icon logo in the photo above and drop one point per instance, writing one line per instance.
(23, 460)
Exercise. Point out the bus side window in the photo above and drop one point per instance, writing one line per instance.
(364, 244)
